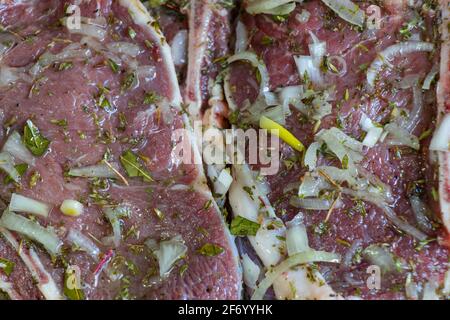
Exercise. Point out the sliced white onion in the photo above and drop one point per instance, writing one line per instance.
(390, 214)
(441, 138)
(342, 145)
(430, 77)
(401, 136)
(343, 138)
(311, 203)
(381, 257)
(430, 290)
(365, 122)
(223, 182)
(412, 289)
(296, 239)
(9, 75)
(348, 257)
(271, 99)
(377, 186)
(303, 17)
(127, 48)
(307, 68)
(179, 47)
(23, 204)
(251, 271)
(72, 51)
(372, 137)
(310, 159)
(446, 289)
(114, 215)
(417, 111)
(72, 208)
(386, 56)
(7, 165)
(317, 49)
(90, 30)
(275, 7)
(347, 10)
(290, 95)
(311, 185)
(295, 260)
(342, 175)
(241, 37)
(78, 239)
(32, 230)
(16, 148)
(96, 171)
(169, 252)
(276, 114)
(421, 213)
(268, 242)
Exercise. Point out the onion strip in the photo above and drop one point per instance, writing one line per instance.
(295, 260)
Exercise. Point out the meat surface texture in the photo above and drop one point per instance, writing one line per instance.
(353, 223)
(105, 94)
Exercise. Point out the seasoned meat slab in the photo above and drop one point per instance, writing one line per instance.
(361, 98)
(89, 110)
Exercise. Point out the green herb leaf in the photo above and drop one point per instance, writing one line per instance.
(210, 250)
(65, 66)
(61, 123)
(345, 161)
(150, 98)
(133, 166)
(132, 33)
(241, 226)
(33, 140)
(114, 66)
(102, 100)
(128, 82)
(7, 266)
(20, 168)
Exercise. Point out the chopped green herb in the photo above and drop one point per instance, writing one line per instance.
(65, 66)
(241, 226)
(7, 266)
(434, 194)
(33, 140)
(425, 134)
(132, 33)
(207, 205)
(61, 123)
(156, 3)
(128, 82)
(249, 191)
(20, 168)
(345, 162)
(159, 213)
(34, 179)
(102, 100)
(133, 166)
(321, 228)
(266, 40)
(122, 122)
(210, 250)
(114, 66)
(150, 98)
(183, 269)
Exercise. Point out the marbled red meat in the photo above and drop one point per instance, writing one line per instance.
(276, 40)
(88, 132)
